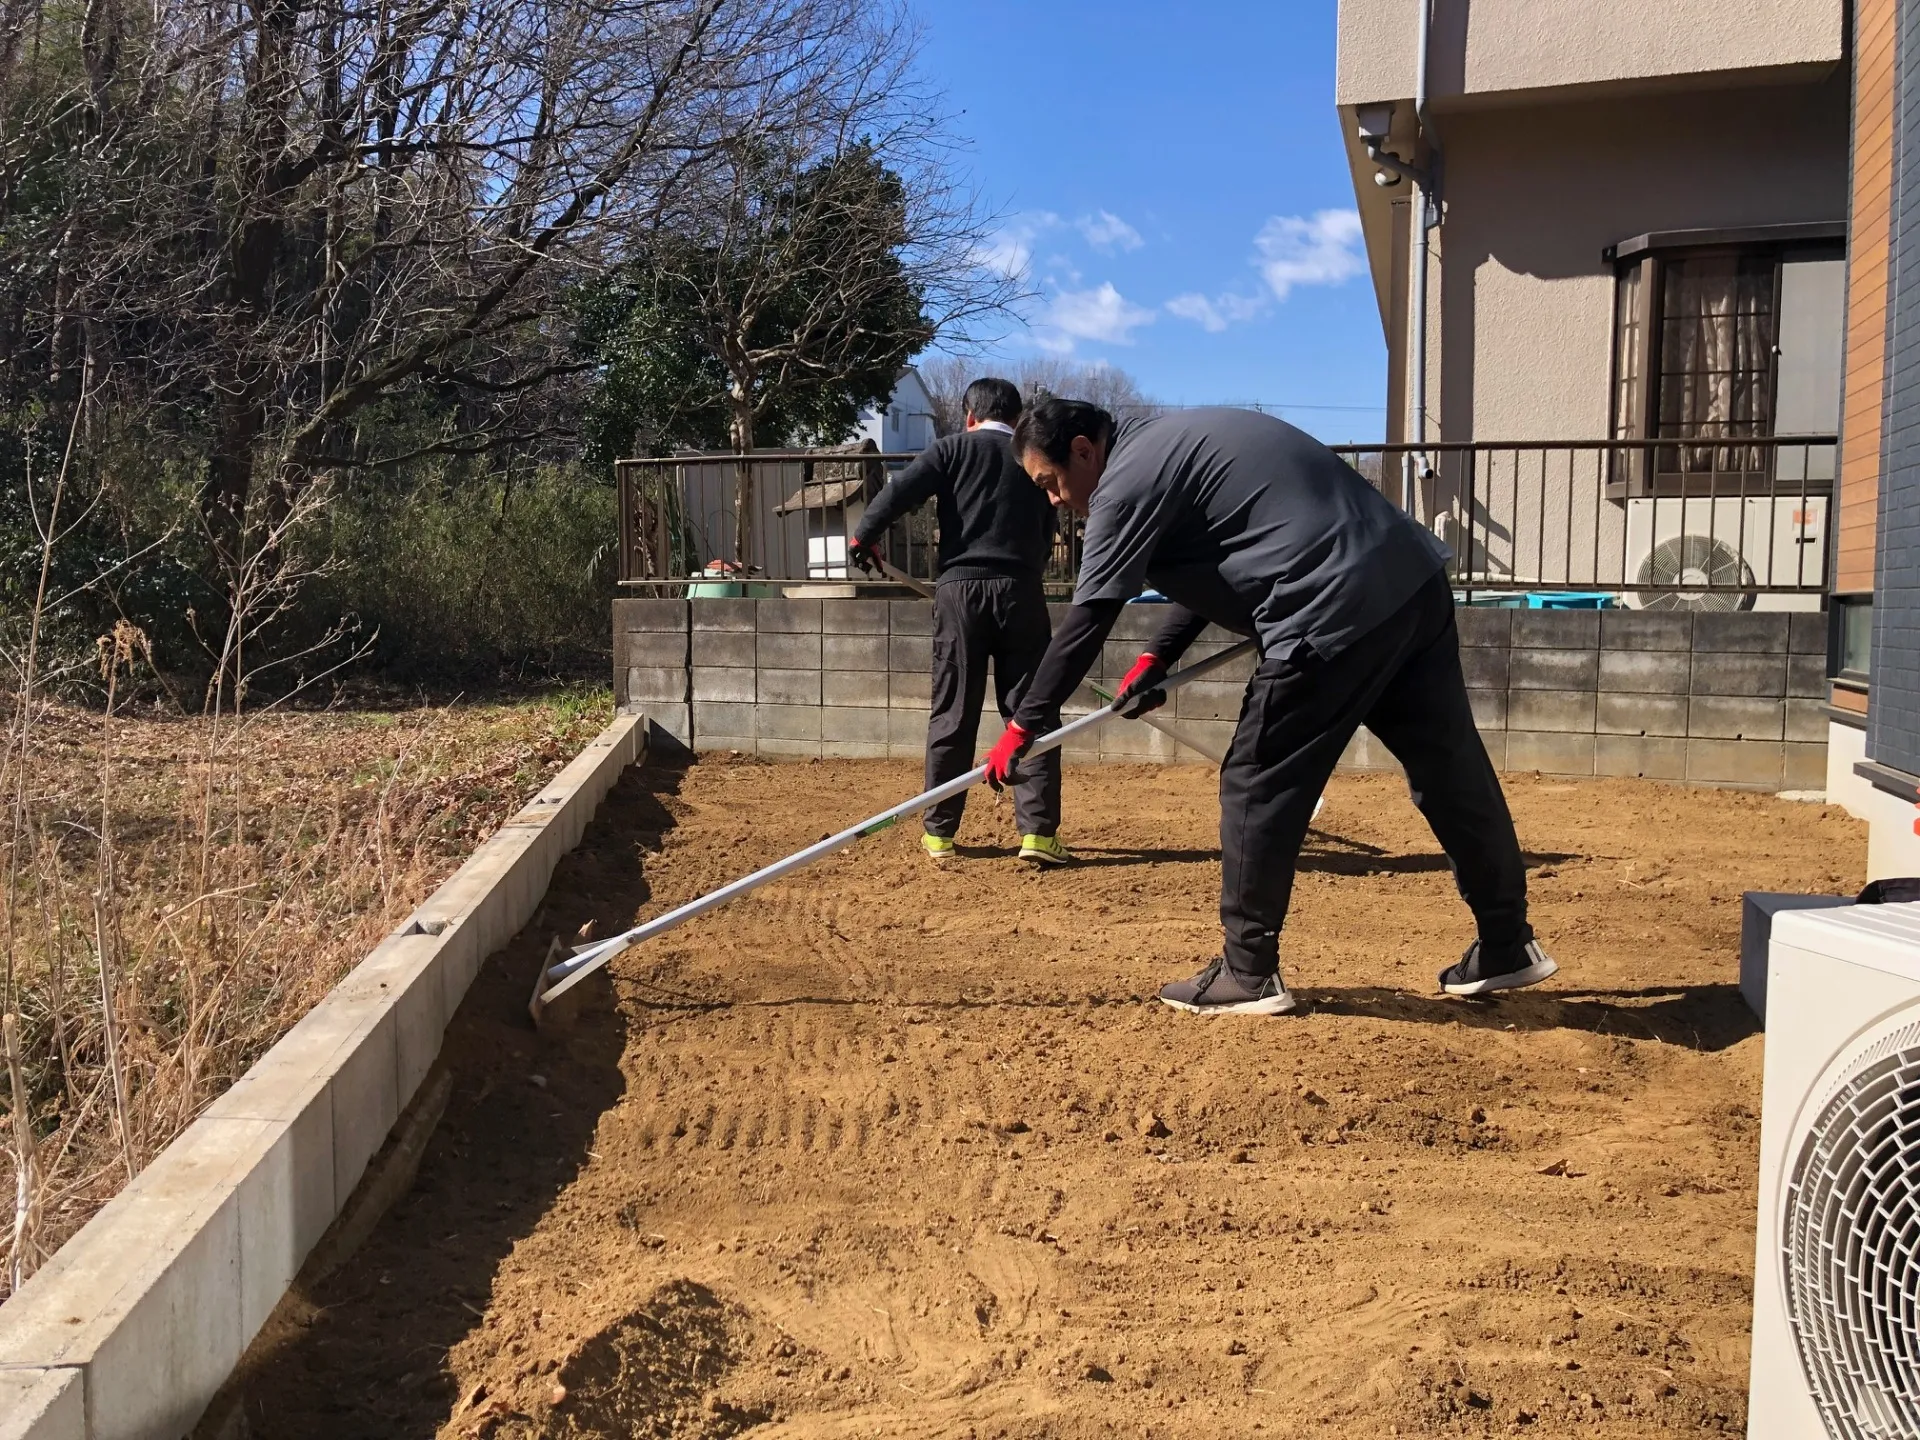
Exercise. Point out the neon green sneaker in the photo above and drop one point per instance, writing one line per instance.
(938, 848)
(1044, 850)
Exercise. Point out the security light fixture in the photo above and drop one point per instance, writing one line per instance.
(1375, 123)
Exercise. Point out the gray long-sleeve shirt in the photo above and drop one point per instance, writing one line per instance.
(1253, 524)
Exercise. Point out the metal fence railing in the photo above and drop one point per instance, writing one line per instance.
(710, 525)
(1654, 523)
(1650, 523)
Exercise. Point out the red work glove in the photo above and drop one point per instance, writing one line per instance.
(864, 556)
(1005, 754)
(1140, 686)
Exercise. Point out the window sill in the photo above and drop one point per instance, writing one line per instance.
(1889, 781)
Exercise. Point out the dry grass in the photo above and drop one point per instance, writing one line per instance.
(179, 893)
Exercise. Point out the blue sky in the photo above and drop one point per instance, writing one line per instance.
(1173, 176)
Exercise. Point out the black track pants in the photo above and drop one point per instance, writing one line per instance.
(1402, 681)
(974, 621)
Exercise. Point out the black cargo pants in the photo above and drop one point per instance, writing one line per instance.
(1403, 682)
(1003, 620)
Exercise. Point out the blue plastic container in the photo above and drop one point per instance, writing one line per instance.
(1571, 600)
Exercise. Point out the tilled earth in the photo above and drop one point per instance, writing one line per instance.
(884, 1150)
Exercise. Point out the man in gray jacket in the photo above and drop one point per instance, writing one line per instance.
(1250, 524)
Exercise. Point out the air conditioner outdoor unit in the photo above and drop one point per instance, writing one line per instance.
(1719, 552)
(1836, 1305)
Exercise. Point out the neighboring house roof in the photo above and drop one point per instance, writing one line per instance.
(837, 482)
(821, 496)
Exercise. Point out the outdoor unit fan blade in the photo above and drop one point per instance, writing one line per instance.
(1723, 578)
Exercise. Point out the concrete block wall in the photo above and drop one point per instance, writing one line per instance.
(1714, 699)
(850, 679)
(1719, 699)
(136, 1322)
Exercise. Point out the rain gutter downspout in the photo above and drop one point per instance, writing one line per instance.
(1425, 218)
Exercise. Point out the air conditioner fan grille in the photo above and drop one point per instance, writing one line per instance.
(1851, 1246)
(1702, 572)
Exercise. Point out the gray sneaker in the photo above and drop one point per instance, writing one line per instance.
(1481, 974)
(1216, 990)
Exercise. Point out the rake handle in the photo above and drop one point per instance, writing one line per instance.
(569, 972)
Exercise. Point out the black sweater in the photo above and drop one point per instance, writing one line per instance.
(993, 519)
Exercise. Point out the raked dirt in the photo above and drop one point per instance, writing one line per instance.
(885, 1150)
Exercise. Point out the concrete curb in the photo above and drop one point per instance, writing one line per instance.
(129, 1330)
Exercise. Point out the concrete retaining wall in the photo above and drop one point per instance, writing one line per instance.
(134, 1324)
(1719, 699)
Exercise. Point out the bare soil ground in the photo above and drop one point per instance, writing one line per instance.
(890, 1151)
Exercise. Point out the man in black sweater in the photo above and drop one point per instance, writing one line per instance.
(996, 533)
(1244, 521)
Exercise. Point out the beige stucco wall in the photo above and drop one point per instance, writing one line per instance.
(1521, 314)
(1483, 49)
(1520, 337)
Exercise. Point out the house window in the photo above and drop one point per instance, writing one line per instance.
(1715, 379)
(1715, 343)
(1853, 658)
(1630, 352)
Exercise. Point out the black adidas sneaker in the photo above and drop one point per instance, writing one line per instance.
(1216, 990)
(1479, 974)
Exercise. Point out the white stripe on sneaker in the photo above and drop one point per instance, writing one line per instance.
(1278, 1004)
(1541, 969)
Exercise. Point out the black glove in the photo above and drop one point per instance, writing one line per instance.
(864, 557)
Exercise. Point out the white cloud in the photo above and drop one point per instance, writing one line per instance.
(1004, 254)
(1107, 232)
(1033, 247)
(1217, 314)
(1010, 249)
(1101, 314)
(1324, 248)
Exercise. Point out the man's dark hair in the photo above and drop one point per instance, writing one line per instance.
(1050, 425)
(992, 399)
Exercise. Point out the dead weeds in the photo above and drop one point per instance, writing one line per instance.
(183, 890)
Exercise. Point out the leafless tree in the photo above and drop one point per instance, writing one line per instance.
(1111, 388)
(313, 233)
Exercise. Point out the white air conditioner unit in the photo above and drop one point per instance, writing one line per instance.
(1719, 552)
(1836, 1304)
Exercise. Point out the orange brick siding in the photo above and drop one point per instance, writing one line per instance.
(1873, 129)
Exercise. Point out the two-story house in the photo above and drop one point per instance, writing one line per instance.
(1609, 223)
